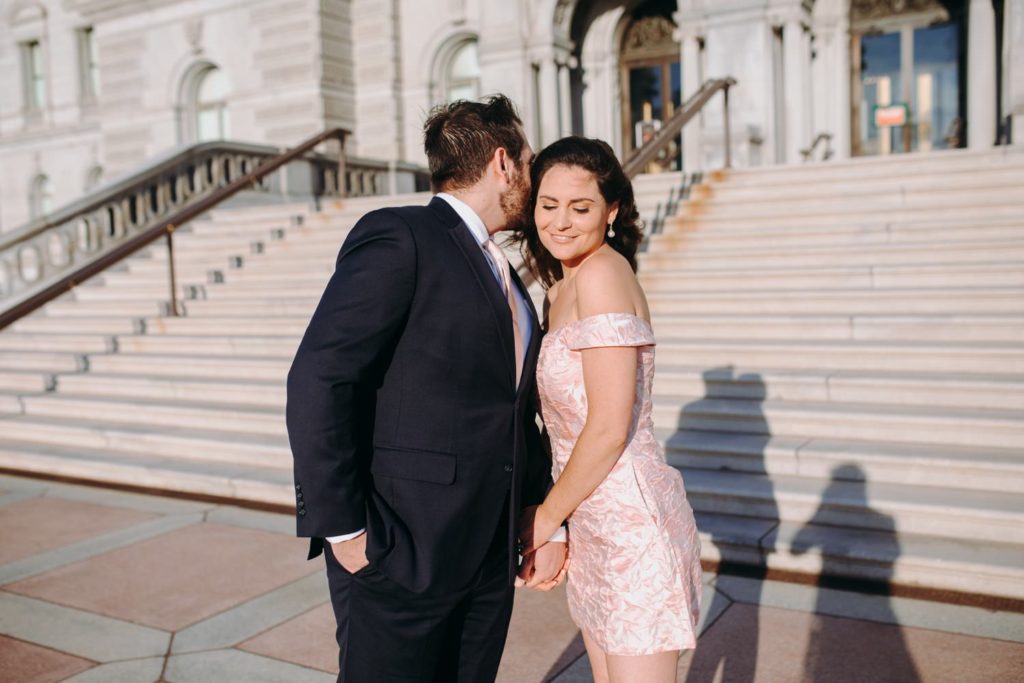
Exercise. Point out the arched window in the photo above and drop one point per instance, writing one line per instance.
(211, 105)
(40, 196)
(462, 75)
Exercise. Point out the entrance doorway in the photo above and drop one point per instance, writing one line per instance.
(908, 76)
(651, 86)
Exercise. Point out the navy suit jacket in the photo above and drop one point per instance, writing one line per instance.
(403, 413)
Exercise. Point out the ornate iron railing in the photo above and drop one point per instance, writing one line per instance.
(55, 253)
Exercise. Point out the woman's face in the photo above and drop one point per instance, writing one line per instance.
(571, 215)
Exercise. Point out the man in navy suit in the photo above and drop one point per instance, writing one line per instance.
(412, 415)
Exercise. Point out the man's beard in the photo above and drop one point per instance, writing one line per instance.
(515, 204)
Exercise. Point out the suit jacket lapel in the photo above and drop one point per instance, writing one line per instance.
(474, 255)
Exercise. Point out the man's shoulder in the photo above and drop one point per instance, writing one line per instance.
(414, 217)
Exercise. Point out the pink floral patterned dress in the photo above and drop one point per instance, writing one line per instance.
(634, 583)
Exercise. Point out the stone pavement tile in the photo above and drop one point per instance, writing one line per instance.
(937, 616)
(234, 666)
(253, 519)
(178, 578)
(133, 671)
(767, 644)
(84, 634)
(250, 618)
(21, 662)
(542, 639)
(91, 547)
(32, 526)
(307, 640)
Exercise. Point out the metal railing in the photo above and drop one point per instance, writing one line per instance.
(808, 152)
(54, 254)
(675, 123)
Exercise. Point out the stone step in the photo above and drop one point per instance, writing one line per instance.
(897, 166)
(107, 309)
(44, 361)
(264, 346)
(1000, 391)
(107, 325)
(156, 388)
(80, 343)
(951, 179)
(997, 191)
(10, 403)
(711, 219)
(249, 308)
(842, 356)
(260, 326)
(190, 445)
(908, 301)
(241, 482)
(965, 565)
(184, 365)
(999, 251)
(245, 418)
(835, 420)
(940, 512)
(687, 237)
(25, 381)
(982, 328)
(976, 468)
(1005, 274)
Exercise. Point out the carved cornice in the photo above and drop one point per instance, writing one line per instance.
(650, 36)
(111, 9)
(867, 10)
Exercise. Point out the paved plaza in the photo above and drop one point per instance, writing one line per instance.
(101, 586)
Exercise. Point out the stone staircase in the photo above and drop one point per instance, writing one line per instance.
(840, 365)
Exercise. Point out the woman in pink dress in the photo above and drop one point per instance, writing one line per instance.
(634, 580)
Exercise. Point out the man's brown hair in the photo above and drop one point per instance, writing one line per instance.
(460, 138)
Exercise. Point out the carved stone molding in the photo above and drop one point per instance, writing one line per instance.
(650, 36)
(865, 10)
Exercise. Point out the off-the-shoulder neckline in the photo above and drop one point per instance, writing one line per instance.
(599, 315)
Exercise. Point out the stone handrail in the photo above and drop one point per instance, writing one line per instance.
(53, 254)
(674, 125)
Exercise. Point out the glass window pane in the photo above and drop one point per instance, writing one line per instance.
(210, 124)
(936, 86)
(214, 87)
(880, 86)
(464, 64)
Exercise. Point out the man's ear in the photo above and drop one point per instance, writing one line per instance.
(502, 163)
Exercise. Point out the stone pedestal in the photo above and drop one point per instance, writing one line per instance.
(981, 74)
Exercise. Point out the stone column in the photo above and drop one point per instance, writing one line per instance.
(564, 99)
(691, 71)
(795, 58)
(549, 124)
(981, 74)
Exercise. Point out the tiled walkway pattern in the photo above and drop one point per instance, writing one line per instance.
(101, 586)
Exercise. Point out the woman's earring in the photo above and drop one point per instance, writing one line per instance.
(611, 230)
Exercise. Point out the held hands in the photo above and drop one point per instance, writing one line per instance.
(351, 554)
(545, 565)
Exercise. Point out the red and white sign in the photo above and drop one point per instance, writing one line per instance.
(891, 115)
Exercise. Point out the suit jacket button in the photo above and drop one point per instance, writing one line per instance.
(299, 495)
(301, 512)
(298, 487)
(508, 468)
(301, 504)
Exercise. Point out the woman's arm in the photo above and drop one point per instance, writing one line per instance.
(609, 377)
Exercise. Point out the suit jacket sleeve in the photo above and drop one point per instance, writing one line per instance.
(341, 360)
(538, 461)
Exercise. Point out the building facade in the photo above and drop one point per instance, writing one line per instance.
(91, 89)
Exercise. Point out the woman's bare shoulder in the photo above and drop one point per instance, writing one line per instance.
(605, 284)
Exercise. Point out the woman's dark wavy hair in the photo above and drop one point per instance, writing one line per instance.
(598, 158)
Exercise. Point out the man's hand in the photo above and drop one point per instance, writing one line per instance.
(545, 568)
(351, 554)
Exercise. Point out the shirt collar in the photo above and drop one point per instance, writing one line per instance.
(468, 216)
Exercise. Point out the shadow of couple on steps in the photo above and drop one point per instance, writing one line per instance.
(747, 531)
